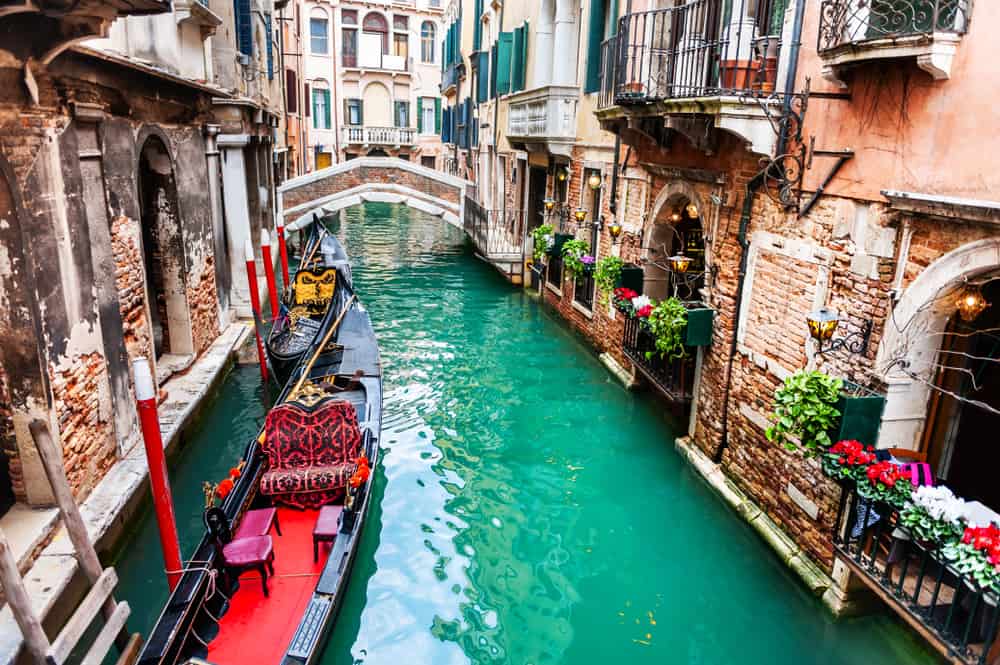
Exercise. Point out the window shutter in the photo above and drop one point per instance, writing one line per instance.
(493, 68)
(475, 134)
(483, 80)
(504, 47)
(516, 62)
(614, 18)
(420, 115)
(291, 92)
(477, 30)
(524, 57)
(326, 108)
(307, 100)
(444, 126)
(244, 26)
(592, 81)
(437, 115)
(361, 112)
(269, 37)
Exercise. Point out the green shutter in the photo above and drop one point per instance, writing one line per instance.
(504, 50)
(483, 77)
(420, 115)
(326, 106)
(437, 115)
(614, 18)
(517, 61)
(477, 29)
(595, 36)
(493, 69)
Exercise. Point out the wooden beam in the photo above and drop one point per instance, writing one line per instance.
(86, 555)
(99, 649)
(84, 615)
(131, 652)
(20, 605)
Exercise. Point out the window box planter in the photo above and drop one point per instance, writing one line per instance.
(699, 324)
(860, 414)
(631, 278)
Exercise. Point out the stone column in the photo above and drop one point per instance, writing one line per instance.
(237, 217)
(566, 33)
(542, 74)
(223, 282)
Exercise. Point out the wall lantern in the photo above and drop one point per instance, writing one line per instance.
(679, 263)
(580, 214)
(692, 211)
(562, 174)
(675, 216)
(823, 323)
(615, 230)
(549, 204)
(594, 181)
(970, 303)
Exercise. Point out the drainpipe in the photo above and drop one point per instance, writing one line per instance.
(613, 201)
(793, 71)
(751, 188)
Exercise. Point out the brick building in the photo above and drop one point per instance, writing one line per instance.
(800, 155)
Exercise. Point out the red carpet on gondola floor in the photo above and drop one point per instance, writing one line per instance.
(256, 630)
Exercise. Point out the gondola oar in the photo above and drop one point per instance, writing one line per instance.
(322, 345)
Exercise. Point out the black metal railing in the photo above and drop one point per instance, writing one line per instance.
(674, 377)
(583, 290)
(452, 74)
(554, 270)
(845, 22)
(496, 234)
(703, 48)
(912, 577)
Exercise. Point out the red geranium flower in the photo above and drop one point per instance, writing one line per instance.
(644, 311)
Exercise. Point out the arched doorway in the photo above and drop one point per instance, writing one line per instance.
(162, 250)
(9, 226)
(964, 405)
(677, 231)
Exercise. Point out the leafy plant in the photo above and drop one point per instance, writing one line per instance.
(574, 252)
(847, 460)
(544, 239)
(606, 274)
(805, 408)
(934, 514)
(977, 554)
(885, 481)
(667, 322)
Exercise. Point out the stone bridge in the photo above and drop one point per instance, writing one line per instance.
(392, 180)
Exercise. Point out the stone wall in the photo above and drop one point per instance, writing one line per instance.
(130, 277)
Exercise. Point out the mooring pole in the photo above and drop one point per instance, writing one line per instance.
(272, 285)
(163, 504)
(255, 307)
(283, 251)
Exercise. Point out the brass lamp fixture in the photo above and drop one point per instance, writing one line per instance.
(580, 214)
(692, 211)
(679, 263)
(615, 231)
(970, 303)
(594, 181)
(823, 323)
(549, 204)
(675, 216)
(562, 174)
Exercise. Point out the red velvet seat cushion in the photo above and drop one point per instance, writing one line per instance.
(328, 521)
(248, 551)
(256, 523)
(315, 479)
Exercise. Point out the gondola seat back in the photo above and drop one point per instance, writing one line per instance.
(310, 453)
(314, 289)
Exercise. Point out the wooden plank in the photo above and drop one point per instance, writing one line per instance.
(86, 555)
(84, 615)
(131, 652)
(20, 605)
(99, 649)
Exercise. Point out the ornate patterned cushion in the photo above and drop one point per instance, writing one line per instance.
(309, 451)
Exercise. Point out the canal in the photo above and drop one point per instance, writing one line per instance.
(528, 509)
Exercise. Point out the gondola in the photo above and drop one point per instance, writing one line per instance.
(305, 301)
(261, 589)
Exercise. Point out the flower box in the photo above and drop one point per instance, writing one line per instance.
(557, 244)
(631, 278)
(860, 414)
(699, 324)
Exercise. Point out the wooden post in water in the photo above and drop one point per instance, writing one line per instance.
(163, 504)
(76, 529)
(272, 286)
(283, 251)
(20, 604)
(255, 308)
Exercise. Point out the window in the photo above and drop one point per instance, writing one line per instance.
(427, 115)
(427, 34)
(400, 23)
(318, 33)
(435, 3)
(291, 92)
(321, 106)
(427, 160)
(400, 36)
(402, 114)
(375, 24)
(349, 47)
(354, 112)
(349, 16)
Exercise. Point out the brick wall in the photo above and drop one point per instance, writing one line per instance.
(130, 278)
(204, 305)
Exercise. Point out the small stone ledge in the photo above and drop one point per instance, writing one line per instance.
(815, 579)
(626, 378)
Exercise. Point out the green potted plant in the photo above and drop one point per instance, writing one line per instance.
(543, 240)
(667, 321)
(607, 272)
(574, 253)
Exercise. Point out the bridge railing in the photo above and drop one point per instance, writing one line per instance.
(497, 234)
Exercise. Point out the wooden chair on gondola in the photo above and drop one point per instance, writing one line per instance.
(239, 554)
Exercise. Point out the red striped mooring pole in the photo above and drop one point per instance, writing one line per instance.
(283, 251)
(163, 504)
(255, 307)
(272, 286)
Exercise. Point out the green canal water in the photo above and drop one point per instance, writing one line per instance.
(528, 510)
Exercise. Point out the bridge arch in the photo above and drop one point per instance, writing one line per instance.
(381, 179)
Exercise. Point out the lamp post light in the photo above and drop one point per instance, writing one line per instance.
(615, 231)
(679, 263)
(594, 181)
(580, 214)
(970, 303)
(823, 324)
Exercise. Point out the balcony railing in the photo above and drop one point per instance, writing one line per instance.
(498, 235)
(845, 22)
(959, 617)
(672, 377)
(377, 60)
(704, 48)
(544, 113)
(392, 136)
(451, 75)
(583, 290)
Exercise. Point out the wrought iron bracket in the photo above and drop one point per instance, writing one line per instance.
(855, 343)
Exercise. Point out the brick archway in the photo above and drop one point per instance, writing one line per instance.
(382, 179)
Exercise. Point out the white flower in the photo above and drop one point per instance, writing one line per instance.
(941, 504)
(550, 240)
(641, 301)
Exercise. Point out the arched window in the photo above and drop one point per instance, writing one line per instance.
(427, 34)
(375, 24)
(318, 33)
